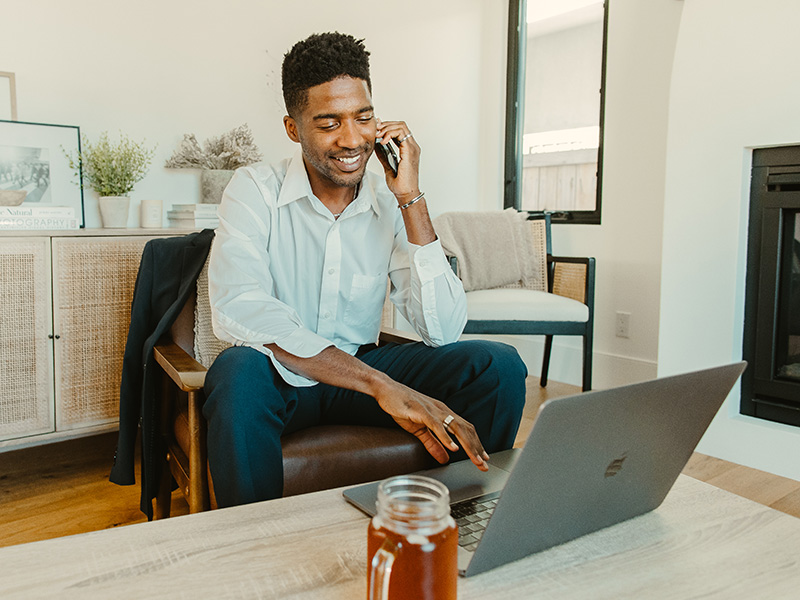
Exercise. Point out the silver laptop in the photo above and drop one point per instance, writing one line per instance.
(592, 460)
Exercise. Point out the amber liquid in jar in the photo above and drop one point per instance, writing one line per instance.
(426, 567)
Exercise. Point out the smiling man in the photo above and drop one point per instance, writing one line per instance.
(297, 279)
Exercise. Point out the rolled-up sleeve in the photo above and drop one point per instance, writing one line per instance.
(243, 306)
(427, 292)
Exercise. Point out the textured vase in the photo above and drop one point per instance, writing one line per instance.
(114, 211)
(212, 184)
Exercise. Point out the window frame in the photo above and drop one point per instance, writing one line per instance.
(515, 122)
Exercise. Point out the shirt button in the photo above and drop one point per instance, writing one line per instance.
(326, 315)
(331, 271)
(423, 263)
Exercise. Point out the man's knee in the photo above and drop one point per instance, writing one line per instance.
(236, 378)
(505, 364)
(495, 359)
(231, 362)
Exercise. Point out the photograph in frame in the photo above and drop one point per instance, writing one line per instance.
(35, 176)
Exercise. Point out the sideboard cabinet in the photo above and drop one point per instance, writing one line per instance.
(65, 300)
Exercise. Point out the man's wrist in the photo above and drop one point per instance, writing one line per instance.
(378, 383)
(412, 201)
(406, 197)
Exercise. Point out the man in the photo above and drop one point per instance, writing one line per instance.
(297, 279)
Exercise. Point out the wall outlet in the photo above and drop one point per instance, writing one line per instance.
(623, 327)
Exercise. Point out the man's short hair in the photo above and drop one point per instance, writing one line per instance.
(320, 58)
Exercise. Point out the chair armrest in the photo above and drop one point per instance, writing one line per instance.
(389, 335)
(188, 374)
(572, 277)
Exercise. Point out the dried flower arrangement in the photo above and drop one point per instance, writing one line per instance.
(111, 169)
(229, 151)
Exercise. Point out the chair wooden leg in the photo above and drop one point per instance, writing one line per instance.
(198, 457)
(548, 346)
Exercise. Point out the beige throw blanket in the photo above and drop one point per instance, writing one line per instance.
(493, 249)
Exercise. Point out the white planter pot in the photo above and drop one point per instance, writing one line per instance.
(114, 211)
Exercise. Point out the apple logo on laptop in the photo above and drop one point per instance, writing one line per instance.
(616, 465)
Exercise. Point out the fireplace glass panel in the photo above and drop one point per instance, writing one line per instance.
(788, 323)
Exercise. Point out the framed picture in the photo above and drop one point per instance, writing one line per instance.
(8, 96)
(35, 177)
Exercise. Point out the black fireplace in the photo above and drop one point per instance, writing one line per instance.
(771, 384)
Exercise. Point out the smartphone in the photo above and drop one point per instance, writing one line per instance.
(389, 153)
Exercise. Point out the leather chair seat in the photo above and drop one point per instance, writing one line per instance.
(328, 456)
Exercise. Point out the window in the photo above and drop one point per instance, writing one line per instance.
(554, 107)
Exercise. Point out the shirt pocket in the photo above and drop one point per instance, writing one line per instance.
(364, 307)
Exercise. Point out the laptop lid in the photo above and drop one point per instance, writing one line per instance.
(591, 460)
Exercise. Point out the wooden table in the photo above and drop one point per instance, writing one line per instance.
(702, 542)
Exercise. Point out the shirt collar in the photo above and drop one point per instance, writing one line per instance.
(296, 186)
(295, 183)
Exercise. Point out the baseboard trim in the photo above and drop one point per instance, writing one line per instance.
(609, 370)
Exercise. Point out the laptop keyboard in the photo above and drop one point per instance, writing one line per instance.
(471, 516)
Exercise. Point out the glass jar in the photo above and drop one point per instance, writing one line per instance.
(412, 543)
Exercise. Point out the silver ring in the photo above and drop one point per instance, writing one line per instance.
(403, 139)
(447, 420)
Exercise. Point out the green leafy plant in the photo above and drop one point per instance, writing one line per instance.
(229, 151)
(111, 169)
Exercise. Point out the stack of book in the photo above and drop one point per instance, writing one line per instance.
(193, 216)
(44, 216)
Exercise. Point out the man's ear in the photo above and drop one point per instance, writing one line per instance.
(291, 128)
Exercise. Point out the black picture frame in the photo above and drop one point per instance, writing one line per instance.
(33, 158)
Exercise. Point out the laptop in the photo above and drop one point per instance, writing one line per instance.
(591, 460)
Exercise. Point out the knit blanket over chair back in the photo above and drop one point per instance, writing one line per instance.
(495, 248)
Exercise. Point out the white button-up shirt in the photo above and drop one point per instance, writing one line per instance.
(283, 270)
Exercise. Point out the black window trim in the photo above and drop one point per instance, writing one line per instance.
(514, 130)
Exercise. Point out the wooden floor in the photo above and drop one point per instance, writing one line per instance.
(63, 489)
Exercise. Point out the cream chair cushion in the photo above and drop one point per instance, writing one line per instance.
(503, 304)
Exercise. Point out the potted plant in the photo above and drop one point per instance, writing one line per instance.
(112, 170)
(218, 158)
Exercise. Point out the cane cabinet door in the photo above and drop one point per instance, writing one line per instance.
(26, 344)
(93, 281)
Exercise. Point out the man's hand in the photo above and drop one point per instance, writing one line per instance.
(406, 184)
(424, 417)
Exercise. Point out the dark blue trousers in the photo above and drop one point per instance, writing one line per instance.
(249, 407)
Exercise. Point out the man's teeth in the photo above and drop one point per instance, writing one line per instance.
(348, 161)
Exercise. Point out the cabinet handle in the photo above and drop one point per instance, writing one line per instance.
(54, 337)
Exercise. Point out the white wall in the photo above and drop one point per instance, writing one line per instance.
(156, 70)
(733, 89)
